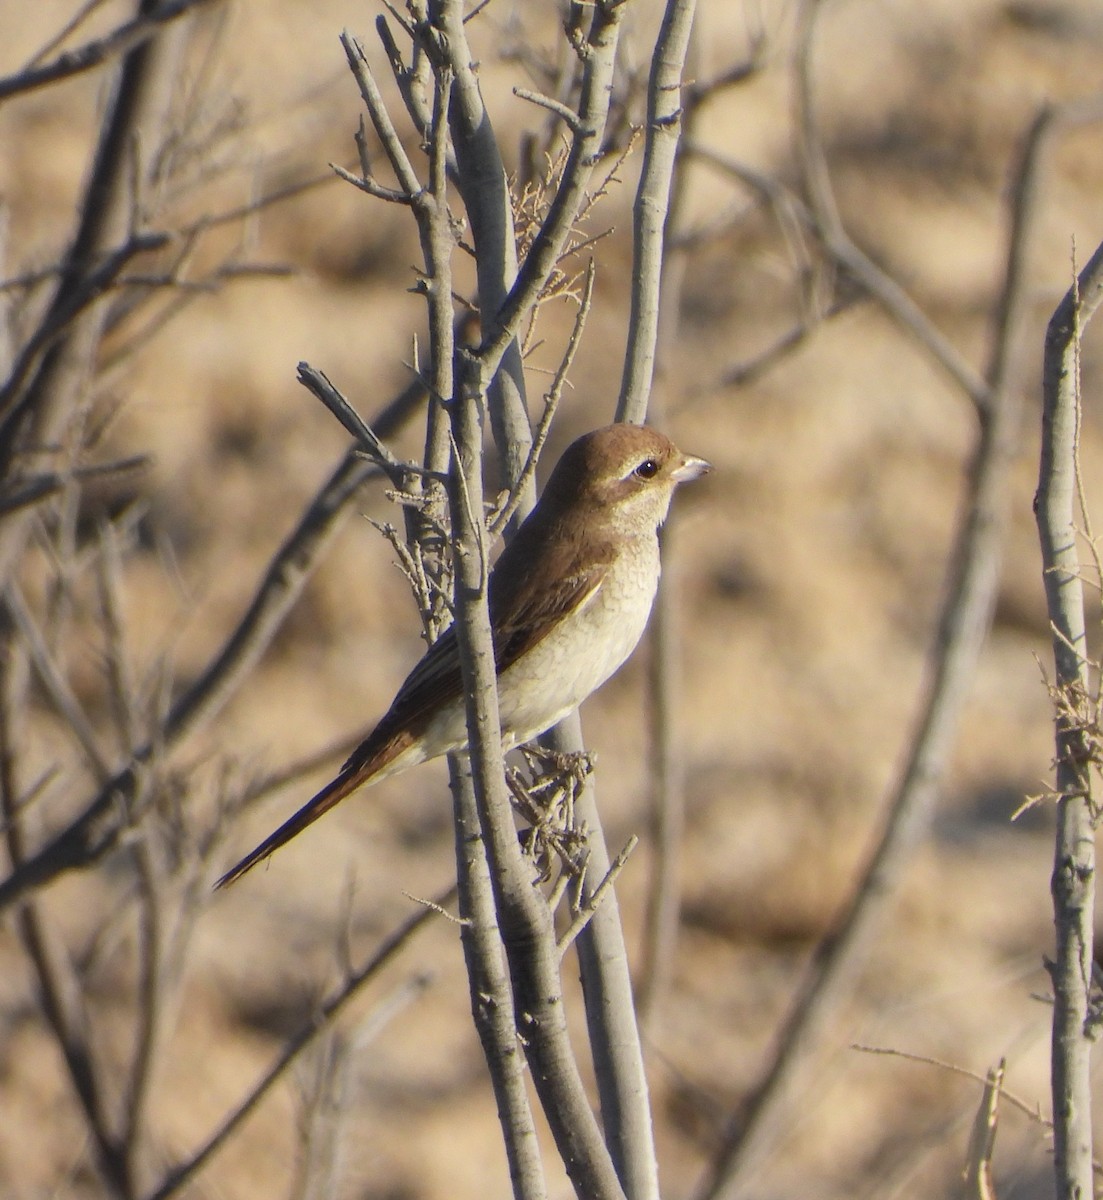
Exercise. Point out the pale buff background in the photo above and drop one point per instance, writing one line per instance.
(814, 562)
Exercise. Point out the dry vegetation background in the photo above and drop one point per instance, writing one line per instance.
(813, 558)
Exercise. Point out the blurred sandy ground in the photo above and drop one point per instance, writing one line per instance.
(814, 559)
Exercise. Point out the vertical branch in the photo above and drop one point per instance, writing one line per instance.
(610, 1006)
(664, 129)
(962, 628)
(62, 1001)
(598, 52)
(603, 957)
(527, 928)
(666, 756)
(481, 179)
(324, 1104)
(625, 1108)
(152, 1023)
(667, 783)
(491, 999)
(1073, 881)
(528, 931)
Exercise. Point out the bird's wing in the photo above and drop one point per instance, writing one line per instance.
(520, 618)
(523, 612)
(533, 612)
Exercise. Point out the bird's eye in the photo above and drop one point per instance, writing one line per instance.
(648, 469)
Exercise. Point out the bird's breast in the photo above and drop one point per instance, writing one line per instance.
(583, 650)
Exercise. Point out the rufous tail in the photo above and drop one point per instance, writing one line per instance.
(348, 781)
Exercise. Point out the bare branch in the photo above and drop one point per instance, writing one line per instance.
(410, 79)
(367, 184)
(40, 487)
(1028, 1109)
(982, 1145)
(318, 385)
(63, 1002)
(664, 128)
(599, 60)
(1073, 879)
(122, 40)
(96, 829)
(377, 111)
(551, 403)
(59, 318)
(527, 929)
(55, 684)
(962, 626)
(881, 287)
(593, 902)
(481, 179)
(490, 994)
(745, 373)
(563, 111)
(327, 1012)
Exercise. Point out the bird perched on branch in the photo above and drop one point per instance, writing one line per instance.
(569, 599)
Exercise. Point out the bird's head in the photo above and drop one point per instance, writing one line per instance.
(627, 470)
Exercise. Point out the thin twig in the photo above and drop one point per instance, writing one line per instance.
(62, 34)
(366, 184)
(662, 136)
(599, 64)
(326, 1014)
(551, 403)
(563, 111)
(122, 40)
(121, 688)
(55, 684)
(1024, 1106)
(377, 110)
(747, 372)
(319, 385)
(101, 820)
(593, 902)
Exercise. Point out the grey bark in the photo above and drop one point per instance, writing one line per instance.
(1073, 880)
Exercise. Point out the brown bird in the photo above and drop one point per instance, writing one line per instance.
(569, 599)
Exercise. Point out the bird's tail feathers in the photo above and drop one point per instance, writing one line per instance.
(334, 792)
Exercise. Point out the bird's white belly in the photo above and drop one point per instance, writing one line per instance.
(557, 674)
(577, 657)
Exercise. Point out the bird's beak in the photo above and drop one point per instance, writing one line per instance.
(690, 468)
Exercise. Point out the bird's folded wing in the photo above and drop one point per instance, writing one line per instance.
(519, 619)
(533, 612)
